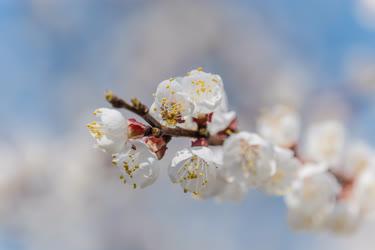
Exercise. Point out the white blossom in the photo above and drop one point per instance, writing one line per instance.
(109, 131)
(137, 164)
(359, 165)
(179, 99)
(172, 106)
(205, 90)
(195, 170)
(287, 167)
(354, 203)
(312, 197)
(358, 157)
(325, 142)
(248, 158)
(280, 125)
(357, 198)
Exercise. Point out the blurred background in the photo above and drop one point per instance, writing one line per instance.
(58, 57)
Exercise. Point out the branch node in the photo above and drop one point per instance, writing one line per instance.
(203, 132)
(156, 132)
(148, 131)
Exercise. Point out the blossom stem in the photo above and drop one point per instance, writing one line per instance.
(341, 178)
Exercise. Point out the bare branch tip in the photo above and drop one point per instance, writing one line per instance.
(135, 102)
(109, 95)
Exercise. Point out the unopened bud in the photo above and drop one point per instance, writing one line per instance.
(136, 129)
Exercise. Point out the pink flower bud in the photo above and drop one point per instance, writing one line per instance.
(136, 129)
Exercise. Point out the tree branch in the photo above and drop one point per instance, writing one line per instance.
(136, 107)
(157, 128)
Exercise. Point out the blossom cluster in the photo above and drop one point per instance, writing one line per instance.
(335, 188)
(328, 184)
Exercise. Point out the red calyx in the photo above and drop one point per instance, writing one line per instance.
(158, 145)
(136, 129)
(200, 142)
(232, 127)
(203, 120)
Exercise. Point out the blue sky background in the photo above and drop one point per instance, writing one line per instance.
(56, 60)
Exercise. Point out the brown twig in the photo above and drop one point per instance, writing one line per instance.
(180, 132)
(136, 107)
(157, 128)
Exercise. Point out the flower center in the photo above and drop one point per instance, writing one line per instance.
(96, 130)
(249, 155)
(171, 112)
(194, 169)
(129, 165)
